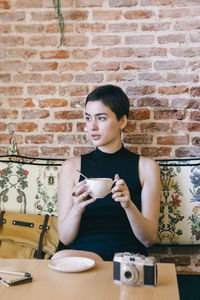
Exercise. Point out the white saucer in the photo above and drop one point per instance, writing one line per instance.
(71, 264)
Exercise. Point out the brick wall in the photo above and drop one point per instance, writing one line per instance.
(150, 48)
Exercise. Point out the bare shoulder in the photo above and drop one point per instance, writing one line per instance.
(148, 167)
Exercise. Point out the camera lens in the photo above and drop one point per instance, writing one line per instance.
(128, 275)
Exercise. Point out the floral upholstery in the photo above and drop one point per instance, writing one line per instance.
(29, 185)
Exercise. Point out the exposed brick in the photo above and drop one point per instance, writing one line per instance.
(75, 15)
(12, 65)
(5, 4)
(154, 127)
(196, 141)
(150, 77)
(91, 77)
(118, 52)
(195, 37)
(140, 39)
(43, 66)
(122, 3)
(54, 28)
(195, 91)
(8, 114)
(171, 38)
(156, 151)
(72, 139)
(5, 28)
(39, 139)
(82, 150)
(119, 77)
(180, 103)
(4, 139)
(155, 26)
(169, 114)
(152, 102)
(178, 127)
(187, 152)
(105, 66)
(139, 114)
(146, 52)
(73, 66)
(57, 77)
(53, 102)
(3, 126)
(185, 52)
(106, 14)
(122, 27)
(106, 40)
(35, 114)
(186, 3)
(11, 90)
(176, 78)
(5, 78)
(73, 90)
(173, 140)
(69, 115)
(75, 40)
(177, 260)
(21, 102)
(27, 77)
(28, 4)
(187, 25)
(42, 16)
(195, 65)
(185, 249)
(21, 53)
(130, 127)
(28, 151)
(12, 17)
(140, 90)
(156, 2)
(173, 90)
(194, 127)
(3, 150)
(90, 27)
(174, 13)
(195, 115)
(42, 41)
(137, 139)
(41, 90)
(30, 28)
(88, 3)
(132, 65)
(26, 126)
(169, 65)
(55, 54)
(85, 54)
(57, 127)
(138, 14)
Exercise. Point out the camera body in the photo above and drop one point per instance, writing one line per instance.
(134, 269)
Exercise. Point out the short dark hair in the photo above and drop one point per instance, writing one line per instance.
(113, 97)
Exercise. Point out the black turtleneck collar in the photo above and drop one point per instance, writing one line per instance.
(100, 154)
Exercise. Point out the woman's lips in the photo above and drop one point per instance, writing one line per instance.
(95, 136)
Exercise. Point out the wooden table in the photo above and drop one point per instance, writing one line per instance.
(94, 284)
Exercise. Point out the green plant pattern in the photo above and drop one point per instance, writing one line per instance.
(168, 231)
(194, 219)
(18, 182)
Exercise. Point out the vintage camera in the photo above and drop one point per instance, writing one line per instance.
(134, 269)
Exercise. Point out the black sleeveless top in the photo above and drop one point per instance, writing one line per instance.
(104, 227)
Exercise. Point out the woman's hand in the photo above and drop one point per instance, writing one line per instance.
(120, 192)
(80, 194)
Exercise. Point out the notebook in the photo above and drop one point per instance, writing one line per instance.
(11, 279)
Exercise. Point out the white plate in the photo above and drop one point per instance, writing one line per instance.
(71, 264)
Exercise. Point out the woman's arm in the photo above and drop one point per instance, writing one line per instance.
(144, 224)
(71, 200)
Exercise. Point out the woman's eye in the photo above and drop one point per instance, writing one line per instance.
(87, 118)
(101, 118)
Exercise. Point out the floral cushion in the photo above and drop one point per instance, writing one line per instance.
(179, 221)
(29, 185)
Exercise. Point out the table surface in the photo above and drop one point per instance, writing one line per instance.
(96, 283)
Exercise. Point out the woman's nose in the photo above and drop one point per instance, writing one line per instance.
(94, 124)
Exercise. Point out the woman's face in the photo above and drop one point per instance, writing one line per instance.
(103, 127)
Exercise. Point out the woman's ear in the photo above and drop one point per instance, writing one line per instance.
(123, 122)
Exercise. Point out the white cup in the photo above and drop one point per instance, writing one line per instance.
(100, 187)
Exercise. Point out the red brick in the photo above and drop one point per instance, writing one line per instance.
(139, 139)
(138, 14)
(53, 102)
(8, 114)
(5, 28)
(155, 26)
(156, 2)
(42, 66)
(187, 152)
(26, 127)
(152, 102)
(73, 90)
(133, 149)
(105, 66)
(11, 90)
(54, 54)
(106, 40)
(75, 15)
(75, 40)
(178, 127)
(73, 66)
(3, 126)
(195, 65)
(5, 77)
(187, 25)
(58, 77)
(81, 127)
(195, 91)
(85, 54)
(139, 114)
(57, 127)
(192, 127)
(119, 77)
(196, 141)
(171, 38)
(186, 3)
(88, 3)
(15, 65)
(30, 28)
(123, 3)
(12, 17)
(154, 127)
(150, 77)
(140, 90)
(195, 115)
(28, 4)
(156, 151)
(195, 37)
(35, 114)
(173, 90)
(107, 14)
(42, 41)
(146, 52)
(175, 78)
(169, 64)
(21, 102)
(5, 139)
(39, 139)
(169, 115)
(174, 13)
(3, 150)
(54, 28)
(72, 139)
(122, 27)
(28, 151)
(179, 103)
(41, 90)
(5, 4)
(173, 140)
(130, 127)
(90, 27)
(185, 52)
(140, 39)
(89, 77)
(118, 52)
(27, 77)
(21, 53)
(69, 115)
(43, 16)
(134, 65)
(55, 151)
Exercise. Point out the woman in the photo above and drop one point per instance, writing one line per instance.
(127, 218)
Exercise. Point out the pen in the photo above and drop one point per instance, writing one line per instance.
(15, 273)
